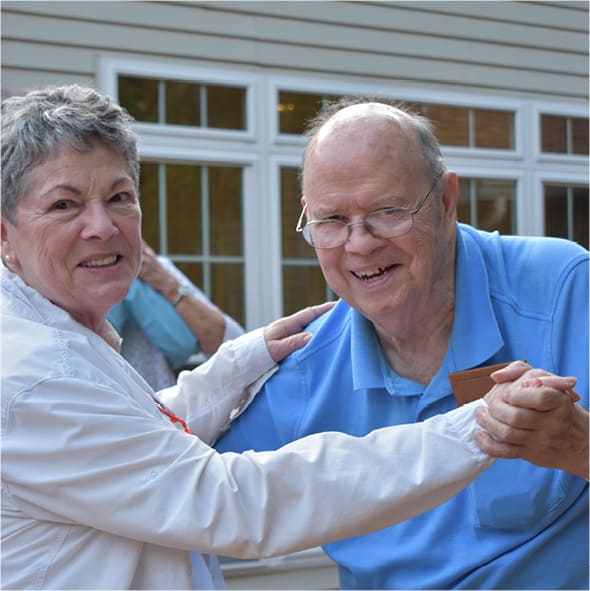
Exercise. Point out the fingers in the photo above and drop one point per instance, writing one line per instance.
(296, 322)
(308, 315)
(279, 349)
(493, 447)
(284, 336)
(510, 372)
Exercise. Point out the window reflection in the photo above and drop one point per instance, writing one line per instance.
(564, 135)
(488, 204)
(178, 102)
(566, 212)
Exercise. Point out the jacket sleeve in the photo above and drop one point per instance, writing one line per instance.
(210, 396)
(79, 453)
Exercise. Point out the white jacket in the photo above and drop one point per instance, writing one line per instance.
(101, 491)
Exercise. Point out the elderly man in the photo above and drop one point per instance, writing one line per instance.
(423, 296)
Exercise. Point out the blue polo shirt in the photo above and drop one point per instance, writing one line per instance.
(517, 526)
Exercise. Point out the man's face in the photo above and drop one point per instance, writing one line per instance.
(77, 233)
(393, 282)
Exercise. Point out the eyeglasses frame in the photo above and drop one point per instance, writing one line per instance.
(348, 226)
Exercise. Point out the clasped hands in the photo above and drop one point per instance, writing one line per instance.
(533, 415)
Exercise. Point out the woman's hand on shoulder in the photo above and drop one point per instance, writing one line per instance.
(284, 336)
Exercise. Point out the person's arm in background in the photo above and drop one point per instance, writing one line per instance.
(232, 328)
(205, 320)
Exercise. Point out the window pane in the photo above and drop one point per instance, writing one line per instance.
(194, 271)
(566, 212)
(464, 213)
(451, 124)
(295, 109)
(553, 134)
(293, 244)
(226, 107)
(150, 219)
(302, 286)
(225, 204)
(183, 198)
(580, 135)
(495, 205)
(140, 97)
(227, 289)
(556, 211)
(488, 204)
(494, 129)
(581, 200)
(183, 103)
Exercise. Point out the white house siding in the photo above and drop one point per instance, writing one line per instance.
(518, 48)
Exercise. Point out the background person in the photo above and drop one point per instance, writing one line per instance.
(423, 296)
(166, 321)
(104, 485)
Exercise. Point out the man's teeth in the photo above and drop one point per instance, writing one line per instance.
(380, 271)
(101, 262)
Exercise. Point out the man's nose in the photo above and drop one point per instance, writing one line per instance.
(360, 239)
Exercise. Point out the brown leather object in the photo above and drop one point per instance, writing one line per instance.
(472, 384)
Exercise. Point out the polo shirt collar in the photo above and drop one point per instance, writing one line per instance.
(475, 338)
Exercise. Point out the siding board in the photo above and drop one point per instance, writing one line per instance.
(484, 47)
(223, 17)
(90, 34)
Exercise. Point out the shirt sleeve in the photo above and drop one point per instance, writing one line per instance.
(160, 322)
(79, 453)
(212, 395)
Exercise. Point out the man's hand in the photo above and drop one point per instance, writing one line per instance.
(284, 336)
(533, 415)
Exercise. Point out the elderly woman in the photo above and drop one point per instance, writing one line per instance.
(100, 488)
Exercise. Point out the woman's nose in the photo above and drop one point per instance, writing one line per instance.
(98, 222)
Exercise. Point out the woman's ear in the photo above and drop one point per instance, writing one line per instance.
(8, 254)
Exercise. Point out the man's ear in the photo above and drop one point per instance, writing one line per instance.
(450, 195)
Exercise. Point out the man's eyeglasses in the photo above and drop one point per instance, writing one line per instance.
(389, 222)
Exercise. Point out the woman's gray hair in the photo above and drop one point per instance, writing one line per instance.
(422, 125)
(36, 124)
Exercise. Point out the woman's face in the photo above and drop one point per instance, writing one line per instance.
(77, 237)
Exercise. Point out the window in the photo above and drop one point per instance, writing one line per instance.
(193, 213)
(296, 108)
(176, 102)
(455, 126)
(221, 150)
(564, 135)
(488, 204)
(303, 282)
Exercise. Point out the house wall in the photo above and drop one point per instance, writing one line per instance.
(518, 48)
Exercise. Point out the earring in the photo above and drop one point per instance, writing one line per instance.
(7, 257)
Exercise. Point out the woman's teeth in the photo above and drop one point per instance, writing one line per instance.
(105, 262)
